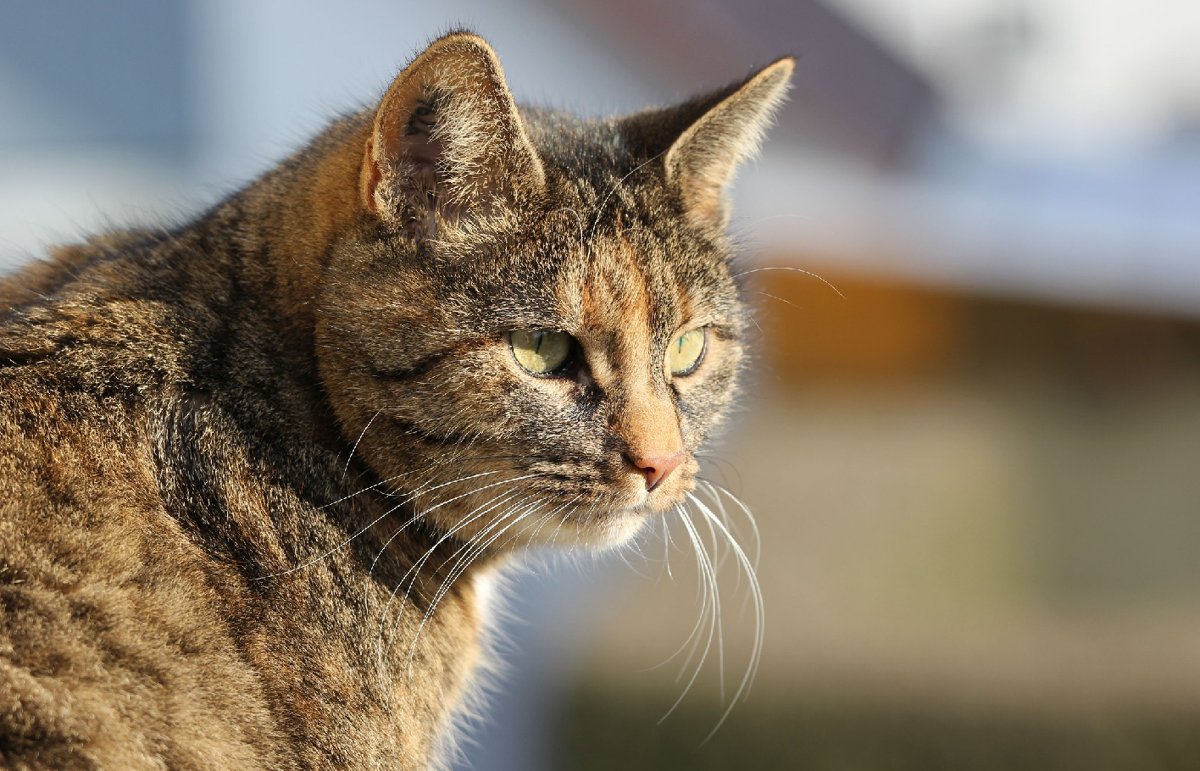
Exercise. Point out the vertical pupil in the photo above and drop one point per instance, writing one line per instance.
(538, 338)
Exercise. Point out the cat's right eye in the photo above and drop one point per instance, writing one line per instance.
(685, 353)
(542, 351)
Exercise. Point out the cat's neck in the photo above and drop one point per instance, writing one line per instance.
(291, 217)
(332, 522)
(269, 243)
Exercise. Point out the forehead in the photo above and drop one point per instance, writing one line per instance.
(624, 283)
(578, 281)
(567, 273)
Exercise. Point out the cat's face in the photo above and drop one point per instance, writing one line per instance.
(534, 352)
(589, 371)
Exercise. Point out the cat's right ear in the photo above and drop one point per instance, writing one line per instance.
(447, 142)
(703, 141)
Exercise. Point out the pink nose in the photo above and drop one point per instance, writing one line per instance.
(656, 468)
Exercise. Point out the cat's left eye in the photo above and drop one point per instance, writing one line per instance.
(685, 352)
(542, 351)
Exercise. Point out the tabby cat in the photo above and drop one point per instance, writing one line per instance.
(257, 471)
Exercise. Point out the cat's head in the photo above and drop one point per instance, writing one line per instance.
(534, 324)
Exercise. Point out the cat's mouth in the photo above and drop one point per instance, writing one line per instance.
(507, 509)
(611, 512)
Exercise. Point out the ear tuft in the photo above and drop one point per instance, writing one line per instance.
(704, 158)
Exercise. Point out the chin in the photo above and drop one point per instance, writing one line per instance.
(601, 529)
(611, 529)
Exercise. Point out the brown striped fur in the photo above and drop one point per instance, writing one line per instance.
(228, 450)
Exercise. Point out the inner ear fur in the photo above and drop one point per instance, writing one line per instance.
(447, 140)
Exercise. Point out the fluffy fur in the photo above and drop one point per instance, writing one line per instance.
(250, 466)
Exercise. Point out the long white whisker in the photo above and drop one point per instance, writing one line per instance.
(414, 518)
(441, 460)
(456, 572)
(820, 278)
(361, 434)
(471, 516)
(367, 527)
(718, 618)
(723, 490)
(414, 570)
(759, 612)
(689, 643)
(698, 548)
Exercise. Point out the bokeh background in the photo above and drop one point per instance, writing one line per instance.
(975, 463)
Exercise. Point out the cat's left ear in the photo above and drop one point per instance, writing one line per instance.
(712, 135)
(447, 141)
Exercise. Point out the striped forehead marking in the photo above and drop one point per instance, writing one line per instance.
(620, 306)
(617, 314)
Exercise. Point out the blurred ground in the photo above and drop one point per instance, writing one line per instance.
(816, 733)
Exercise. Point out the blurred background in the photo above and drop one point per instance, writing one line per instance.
(975, 465)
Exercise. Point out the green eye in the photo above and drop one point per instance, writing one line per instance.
(541, 351)
(684, 352)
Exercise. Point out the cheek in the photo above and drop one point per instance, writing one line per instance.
(539, 417)
(704, 404)
(559, 427)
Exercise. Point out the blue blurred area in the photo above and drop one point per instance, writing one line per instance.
(118, 74)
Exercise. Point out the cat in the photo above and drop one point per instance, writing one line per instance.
(258, 471)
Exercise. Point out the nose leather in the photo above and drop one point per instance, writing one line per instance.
(655, 468)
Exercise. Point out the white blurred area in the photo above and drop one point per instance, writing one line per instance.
(1022, 540)
(1070, 165)
(1090, 79)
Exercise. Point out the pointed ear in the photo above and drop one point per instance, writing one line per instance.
(447, 141)
(703, 141)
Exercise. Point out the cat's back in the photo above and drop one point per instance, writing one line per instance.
(79, 359)
(69, 403)
(100, 593)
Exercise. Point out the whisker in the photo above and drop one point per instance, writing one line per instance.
(545, 517)
(719, 505)
(545, 520)
(759, 613)
(717, 617)
(456, 572)
(666, 529)
(413, 519)
(718, 556)
(780, 299)
(369, 525)
(441, 460)
(702, 596)
(709, 590)
(613, 188)
(361, 434)
(723, 490)
(723, 466)
(578, 221)
(414, 569)
(818, 277)
(471, 516)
